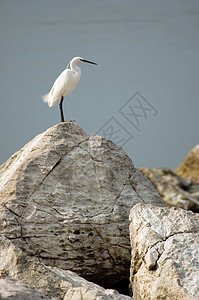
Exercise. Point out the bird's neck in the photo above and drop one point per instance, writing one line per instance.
(74, 67)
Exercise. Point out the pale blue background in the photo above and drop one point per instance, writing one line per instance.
(147, 46)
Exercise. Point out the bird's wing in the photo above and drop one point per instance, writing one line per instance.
(61, 86)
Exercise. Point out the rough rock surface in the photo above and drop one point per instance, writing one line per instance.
(189, 167)
(31, 279)
(165, 253)
(175, 191)
(65, 198)
(16, 290)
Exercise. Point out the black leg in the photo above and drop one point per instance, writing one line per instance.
(61, 109)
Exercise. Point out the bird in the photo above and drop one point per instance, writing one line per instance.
(65, 83)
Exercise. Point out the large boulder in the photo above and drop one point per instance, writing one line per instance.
(175, 191)
(65, 198)
(189, 167)
(165, 253)
(26, 278)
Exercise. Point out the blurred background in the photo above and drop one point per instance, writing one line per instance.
(148, 49)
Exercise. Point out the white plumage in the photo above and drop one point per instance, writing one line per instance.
(65, 83)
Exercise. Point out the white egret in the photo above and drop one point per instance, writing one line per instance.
(65, 83)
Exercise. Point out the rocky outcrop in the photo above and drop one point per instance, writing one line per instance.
(26, 278)
(189, 167)
(165, 253)
(175, 191)
(16, 290)
(65, 198)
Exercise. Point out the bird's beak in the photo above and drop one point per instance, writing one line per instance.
(87, 61)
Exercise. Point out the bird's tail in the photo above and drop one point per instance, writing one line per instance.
(48, 98)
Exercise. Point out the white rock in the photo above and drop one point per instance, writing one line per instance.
(151, 258)
(66, 198)
(165, 261)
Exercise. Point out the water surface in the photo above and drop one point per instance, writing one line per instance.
(149, 47)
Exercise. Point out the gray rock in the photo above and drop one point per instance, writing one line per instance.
(16, 290)
(47, 281)
(175, 191)
(189, 167)
(65, 198)
(165, 253)
(86, 293)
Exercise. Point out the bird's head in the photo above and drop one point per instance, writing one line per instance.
(78, 59)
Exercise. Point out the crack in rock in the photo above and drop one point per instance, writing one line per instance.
(153, 253)
(114, 263)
